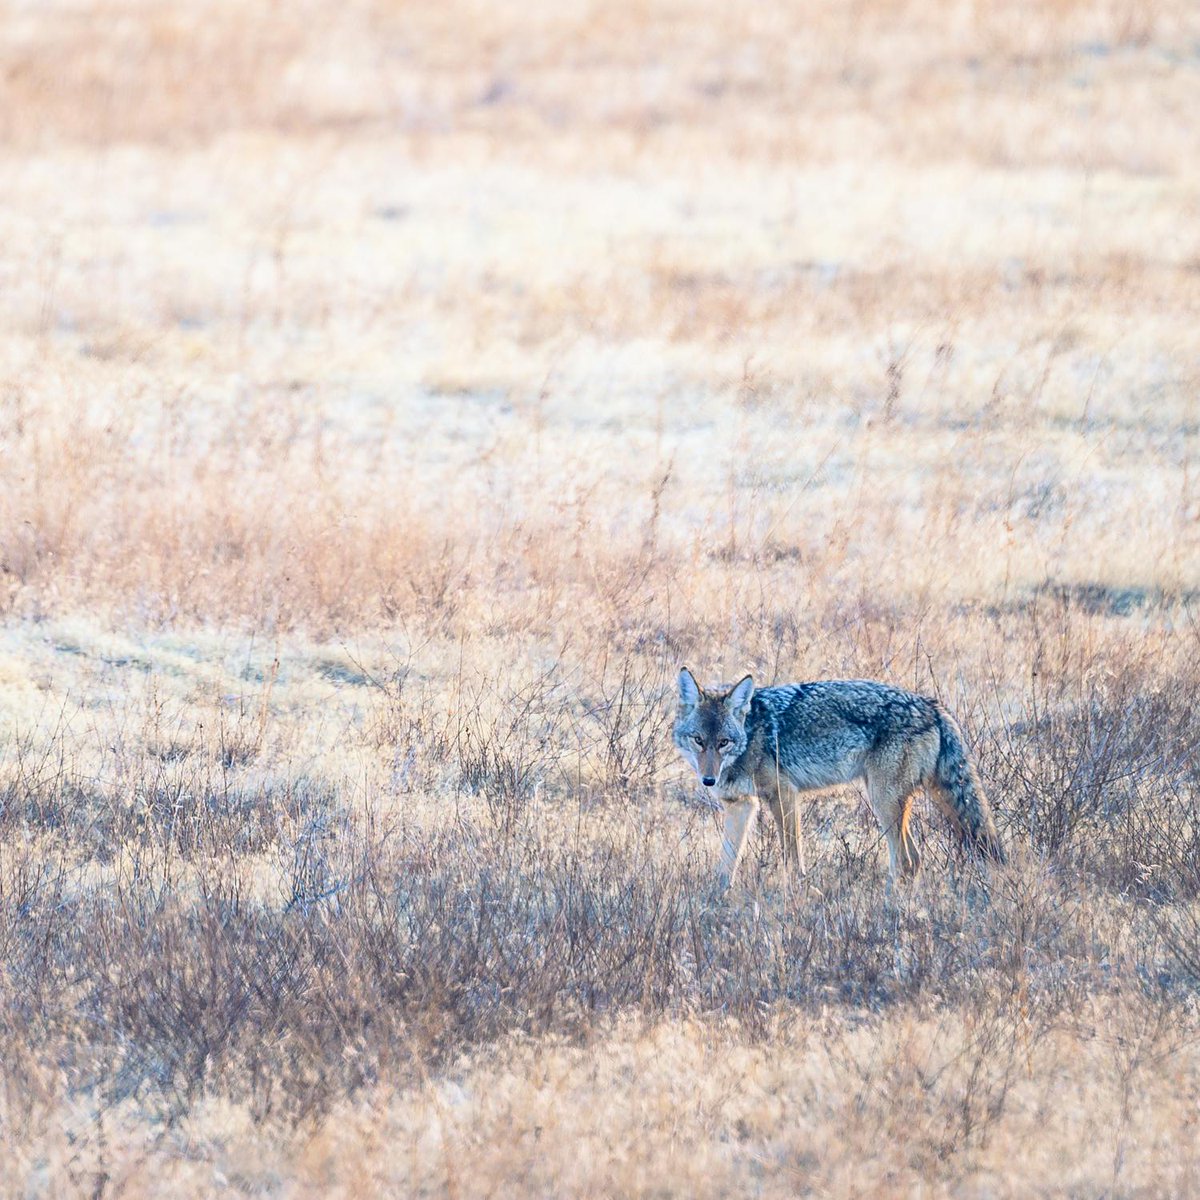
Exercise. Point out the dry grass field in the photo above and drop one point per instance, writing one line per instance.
(392, 396)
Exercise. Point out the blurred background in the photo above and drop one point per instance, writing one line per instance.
(904, 291)
(394, 395)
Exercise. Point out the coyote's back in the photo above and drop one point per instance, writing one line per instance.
(762, 746)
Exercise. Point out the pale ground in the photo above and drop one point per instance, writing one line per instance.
(392, 396)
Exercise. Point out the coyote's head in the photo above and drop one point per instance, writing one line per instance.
(710, 729)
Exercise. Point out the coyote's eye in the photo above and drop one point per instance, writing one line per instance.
(724, 744)
(698, 742)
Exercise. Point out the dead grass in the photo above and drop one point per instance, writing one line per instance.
(392, 397)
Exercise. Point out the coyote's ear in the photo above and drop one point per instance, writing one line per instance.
(689, 689)
(738, 700)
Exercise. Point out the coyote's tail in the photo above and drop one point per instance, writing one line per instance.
(956, 777)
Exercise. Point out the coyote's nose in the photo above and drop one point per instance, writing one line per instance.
(708, 781)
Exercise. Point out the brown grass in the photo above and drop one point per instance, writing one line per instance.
(393, 396)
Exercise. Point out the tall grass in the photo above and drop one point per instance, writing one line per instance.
(392, 397)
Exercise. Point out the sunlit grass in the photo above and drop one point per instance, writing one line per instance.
(392, 397)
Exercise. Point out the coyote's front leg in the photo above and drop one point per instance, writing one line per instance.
(782, 800)
(740, 816)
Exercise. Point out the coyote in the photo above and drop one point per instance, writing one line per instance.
(752, 746)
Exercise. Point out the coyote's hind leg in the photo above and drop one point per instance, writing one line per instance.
(893, 773)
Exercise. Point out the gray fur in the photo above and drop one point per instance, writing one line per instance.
(767, 744)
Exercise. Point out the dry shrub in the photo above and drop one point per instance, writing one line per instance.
(390, 945)
(393, 397)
